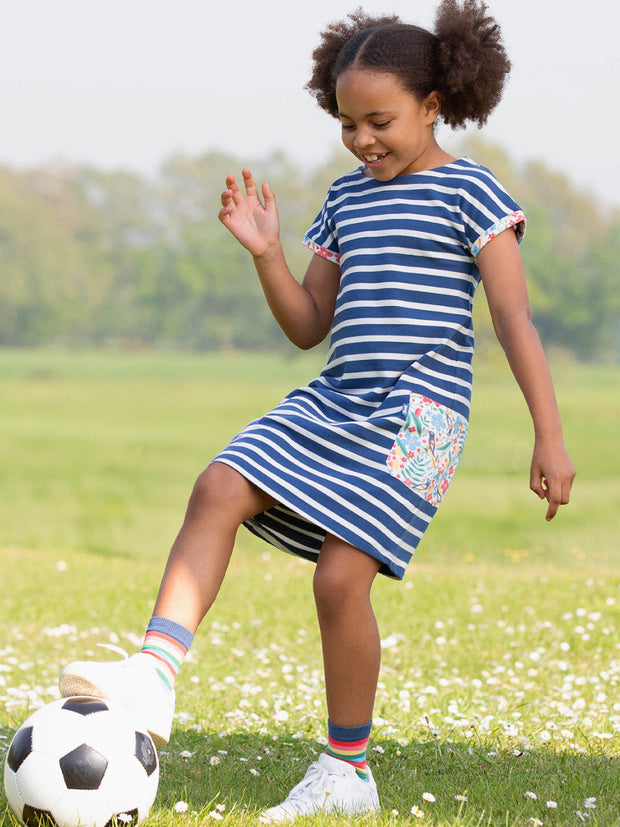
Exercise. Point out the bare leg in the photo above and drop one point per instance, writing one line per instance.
(220, 501)
(351, 656)
(349, 633)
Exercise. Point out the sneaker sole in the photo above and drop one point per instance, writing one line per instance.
(72, 685)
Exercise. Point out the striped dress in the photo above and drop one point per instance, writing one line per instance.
(366, 451)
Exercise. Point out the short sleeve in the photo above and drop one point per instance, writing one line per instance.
(488, 210)
(322, 237)
(516, 220)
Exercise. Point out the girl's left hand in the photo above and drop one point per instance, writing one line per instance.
(551, 476)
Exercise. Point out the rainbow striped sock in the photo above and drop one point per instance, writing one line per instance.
(349, 744)
(168, 642)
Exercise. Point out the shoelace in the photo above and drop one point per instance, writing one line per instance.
(116, 649)
(316, 783)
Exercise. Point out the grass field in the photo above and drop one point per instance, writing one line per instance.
(499, 695)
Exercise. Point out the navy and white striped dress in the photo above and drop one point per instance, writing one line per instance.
(367, 450)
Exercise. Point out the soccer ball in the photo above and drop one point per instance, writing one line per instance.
(81, 762)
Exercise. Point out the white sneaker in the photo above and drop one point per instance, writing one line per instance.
(132, 683)
(329, 785)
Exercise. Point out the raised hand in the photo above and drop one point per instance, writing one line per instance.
(254, 223)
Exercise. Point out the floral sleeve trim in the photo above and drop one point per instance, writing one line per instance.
(515, 220)
(322, 251)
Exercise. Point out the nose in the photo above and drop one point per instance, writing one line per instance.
(363, 139)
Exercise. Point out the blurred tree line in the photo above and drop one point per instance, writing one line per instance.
(95, 258)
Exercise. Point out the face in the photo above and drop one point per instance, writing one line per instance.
(385, 126)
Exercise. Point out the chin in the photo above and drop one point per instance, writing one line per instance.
(381, 175)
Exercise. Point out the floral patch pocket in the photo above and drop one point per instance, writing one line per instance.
(428, 448)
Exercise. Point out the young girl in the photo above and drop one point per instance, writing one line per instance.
(350, 470)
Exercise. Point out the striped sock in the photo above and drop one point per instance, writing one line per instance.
(349, 744)
(168, 642)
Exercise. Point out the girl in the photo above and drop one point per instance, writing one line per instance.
(350, 470)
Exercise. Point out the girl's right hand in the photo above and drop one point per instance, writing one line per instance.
(256, 225)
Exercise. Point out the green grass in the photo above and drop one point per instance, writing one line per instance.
(501, 661)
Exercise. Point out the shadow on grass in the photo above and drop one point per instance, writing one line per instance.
(479, 783)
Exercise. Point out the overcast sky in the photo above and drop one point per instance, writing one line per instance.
(125, 83)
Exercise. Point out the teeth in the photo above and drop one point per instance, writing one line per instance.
(371, 158)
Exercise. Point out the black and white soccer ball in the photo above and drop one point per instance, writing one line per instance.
(81, 762)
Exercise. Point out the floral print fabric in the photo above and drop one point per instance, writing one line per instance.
(515, 220)
(322, 251)
(428, 447)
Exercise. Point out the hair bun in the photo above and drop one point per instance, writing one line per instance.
(474, 63)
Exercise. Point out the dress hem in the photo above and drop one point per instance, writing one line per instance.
(255, 527)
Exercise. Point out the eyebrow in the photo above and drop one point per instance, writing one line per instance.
(377, 114)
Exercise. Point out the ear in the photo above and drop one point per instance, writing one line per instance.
(432, 107)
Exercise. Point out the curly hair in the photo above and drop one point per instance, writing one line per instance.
(464, 60)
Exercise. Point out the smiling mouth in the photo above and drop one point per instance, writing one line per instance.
(374, 159)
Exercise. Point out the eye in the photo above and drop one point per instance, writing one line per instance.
(382, 125)
(347, 126)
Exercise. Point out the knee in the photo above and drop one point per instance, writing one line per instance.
(333, 590)
(214, 488)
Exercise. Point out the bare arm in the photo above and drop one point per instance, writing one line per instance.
(501, 267)
(304, 311)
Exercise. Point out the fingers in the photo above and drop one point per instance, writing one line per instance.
(251, 190)
(250, 186)
(227, 198)
(555, 493)
(558, 495)
(233, 195)
(538, 485)
(227, 206)
(269, 198)
(552, 510)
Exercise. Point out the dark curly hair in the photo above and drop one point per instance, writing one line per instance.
(464, 60)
